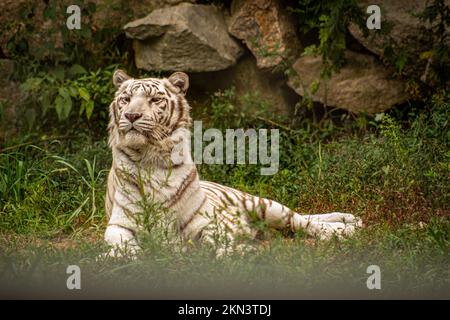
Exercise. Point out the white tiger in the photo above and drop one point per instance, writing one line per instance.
(148, 118)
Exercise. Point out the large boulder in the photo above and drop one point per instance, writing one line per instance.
(187, 37)
(267, 30)
(406, 30)
(362, 85)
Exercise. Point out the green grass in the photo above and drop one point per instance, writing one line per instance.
(392, 173)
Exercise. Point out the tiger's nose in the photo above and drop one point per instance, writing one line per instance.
(132, 117)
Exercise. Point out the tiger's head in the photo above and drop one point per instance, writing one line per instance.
(147, 112)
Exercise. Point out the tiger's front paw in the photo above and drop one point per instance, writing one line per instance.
(326, 230)
(122, 243)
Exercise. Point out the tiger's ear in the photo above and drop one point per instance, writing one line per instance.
(180, 80)
(120, 77)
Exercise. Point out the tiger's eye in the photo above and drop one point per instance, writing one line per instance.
(125, 99)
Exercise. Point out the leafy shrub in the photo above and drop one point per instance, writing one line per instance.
(331, 19)
(77, 90)
(46, 21)
(436, 18)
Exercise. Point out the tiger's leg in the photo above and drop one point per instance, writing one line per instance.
(121, 231)
(228, 224)
(322, 225)
(280, 216)
(334, 217)
(121, 240)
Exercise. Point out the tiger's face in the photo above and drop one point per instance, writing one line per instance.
(147, 111)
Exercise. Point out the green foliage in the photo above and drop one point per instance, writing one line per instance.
(428, 69)
(61, 45)
(46, 194)
(393, 174)
(436, 16)
(60, 91)
(331, 19)
(226, 110)
(369, 159)
(391, 170)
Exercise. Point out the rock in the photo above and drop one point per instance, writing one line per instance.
(267, 30)
(362, 85)
(406, 30)
(247, 79)
(187, 37)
